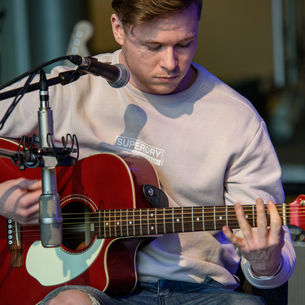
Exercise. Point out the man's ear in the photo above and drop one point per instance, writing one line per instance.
(117, 29)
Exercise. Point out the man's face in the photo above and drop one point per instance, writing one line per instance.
(159, 52)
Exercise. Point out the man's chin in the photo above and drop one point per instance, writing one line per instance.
(163, 89)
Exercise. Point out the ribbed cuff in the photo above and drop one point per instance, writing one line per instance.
(267, 282)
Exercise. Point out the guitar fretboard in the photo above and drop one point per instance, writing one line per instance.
(154, 221)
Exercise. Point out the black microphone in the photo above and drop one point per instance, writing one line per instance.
(116, 75)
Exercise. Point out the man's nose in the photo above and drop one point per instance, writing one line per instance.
(169, 59)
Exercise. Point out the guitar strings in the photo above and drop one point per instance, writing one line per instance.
(187, 220)
(114, 215)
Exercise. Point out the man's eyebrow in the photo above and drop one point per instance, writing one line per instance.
(187, 39)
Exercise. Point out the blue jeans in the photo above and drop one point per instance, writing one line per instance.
(166, 292)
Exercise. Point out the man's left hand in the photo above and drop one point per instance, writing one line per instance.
(261, 247)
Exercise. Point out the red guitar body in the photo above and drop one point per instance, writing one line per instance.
(100, 182)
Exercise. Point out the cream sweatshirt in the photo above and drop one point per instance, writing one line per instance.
(208, 145)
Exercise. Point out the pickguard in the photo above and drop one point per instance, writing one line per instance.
(55, 266)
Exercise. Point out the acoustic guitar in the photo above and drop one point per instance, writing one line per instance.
(107, 217)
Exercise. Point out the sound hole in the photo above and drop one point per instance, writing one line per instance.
(77, 230)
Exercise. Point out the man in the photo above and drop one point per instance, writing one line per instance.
(207, 144)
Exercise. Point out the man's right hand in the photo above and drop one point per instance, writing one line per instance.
(19, 200)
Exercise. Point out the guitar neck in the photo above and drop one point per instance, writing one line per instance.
(154, 221)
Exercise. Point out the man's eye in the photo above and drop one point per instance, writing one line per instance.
(184, 45)
(153, 47)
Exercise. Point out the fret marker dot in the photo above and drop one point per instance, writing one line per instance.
(197, 218)
(178, 220)
(220, 217)
(151, 227)
(107, 223)
(151, 215)
(130, 222)
(118, 223)
(247, 216)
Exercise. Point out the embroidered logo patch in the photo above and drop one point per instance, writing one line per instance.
(153, 154)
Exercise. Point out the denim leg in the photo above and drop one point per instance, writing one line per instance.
(180, 293)
(170, 293)
(209, 293)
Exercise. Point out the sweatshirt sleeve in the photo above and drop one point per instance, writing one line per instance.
(257, 173)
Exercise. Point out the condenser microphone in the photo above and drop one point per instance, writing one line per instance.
(116, 75)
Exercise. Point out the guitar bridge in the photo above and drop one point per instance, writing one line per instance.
(14, 242)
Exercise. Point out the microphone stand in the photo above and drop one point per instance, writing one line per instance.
(63, 78)
(47, 157)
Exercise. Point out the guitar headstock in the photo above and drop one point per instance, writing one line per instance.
(297, 218)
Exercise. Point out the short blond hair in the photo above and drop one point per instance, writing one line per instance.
(134, 12)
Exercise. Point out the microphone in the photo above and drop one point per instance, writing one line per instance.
(50, 218)
(116, 75)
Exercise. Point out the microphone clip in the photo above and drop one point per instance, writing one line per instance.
(29, 155)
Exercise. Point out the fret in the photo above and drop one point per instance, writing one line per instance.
(104, 224)
(227, 220)
(221, 217)
(249, 217)
(203, 223)
(187, 218)
(137, 223)
(178, 220)
(121, 222)
(107, 227)
(173, 220)
(99, 225)
(197, 218)
(148, 231)
(127, 223)
(152, 227)
(156, 223)
(253, 215)
(283, 206)
(133, 223)
(112, 227)
(115, 223)
(130, 223)
(182, 219)
(287, 213)
(143, 222)
(267, 215)
(232, 220)
(193, 228)
(210, 218)
(168, 220)
(141, 230)
(164, 221)
(159, 223)
(214, 217)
